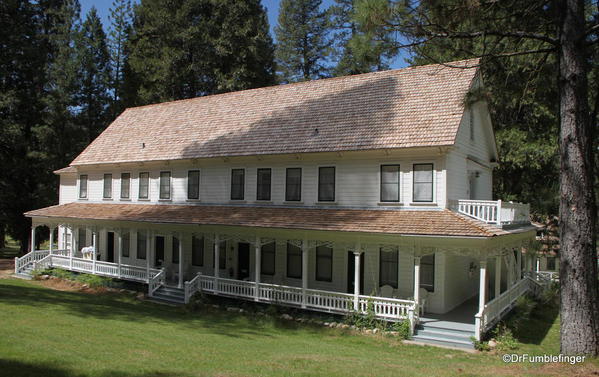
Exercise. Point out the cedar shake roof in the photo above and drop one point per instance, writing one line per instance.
(400, 222)
(412, 107)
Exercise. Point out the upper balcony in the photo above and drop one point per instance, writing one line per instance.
(494, 212)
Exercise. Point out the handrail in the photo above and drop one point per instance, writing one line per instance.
(156, 282)
(192, 287)
(493, 211)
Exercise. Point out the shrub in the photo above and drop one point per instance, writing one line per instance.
(196, 302)
(36, 274)
(480, 345)
(505, 338)
(403, 329)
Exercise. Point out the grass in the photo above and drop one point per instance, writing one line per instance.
(57, 333)
(11, 248)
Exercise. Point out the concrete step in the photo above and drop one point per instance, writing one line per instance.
(444, 342)
(172, 291)
(170, 299)
(436, 333)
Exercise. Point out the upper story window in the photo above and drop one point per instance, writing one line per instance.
(388, 267)
(83, 186)
(390, 183)
(125, 185)
(326, 184)
(263, 179)
(193, 184)
(293, 185)
(423, 183)
(144, 185)
(107, 186)
(267, 259)
(165, 185)
(237, 184)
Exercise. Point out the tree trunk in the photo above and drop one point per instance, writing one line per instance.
(2, 236)
(578, 266)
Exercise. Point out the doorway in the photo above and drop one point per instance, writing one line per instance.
(110, 247)
(351, 263)
(159, 257)
(243, 261)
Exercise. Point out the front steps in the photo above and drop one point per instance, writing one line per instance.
(169, 295)
(444, 333)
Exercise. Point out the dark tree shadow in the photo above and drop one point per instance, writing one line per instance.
(535, 329)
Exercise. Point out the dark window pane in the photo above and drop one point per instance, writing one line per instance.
(294, 261)
(126, 240)
(144, 185)
(193, 184)
(326, 184)
(389, 183)
(175, 250)
(107, 186)
(324, 263)
(165, 185)
(83, 186)
(125, 185)
(197, 251)
(141, 245)
(427, 272)
(237, 184)
(263, 186)
(388, 267)
(293, 185)
(267, 259)
(423, 182)
(81, 239)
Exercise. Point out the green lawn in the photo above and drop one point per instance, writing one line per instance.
(47, 332)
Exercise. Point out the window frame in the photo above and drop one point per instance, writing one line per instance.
(320, 199)
(258, 183)
(264, 271)
(105, 186)
(128, 197)
(432, 183)
(170, 185)
(139, 180)
(301, 267)
(318, 276)
(81, 186)
(242, 191)
(299, 199)
(395, 284)
(198, 171)
(398, 183)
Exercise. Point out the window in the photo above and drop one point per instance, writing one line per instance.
(263, 184)
(326, 184)
(390, 183)
(267, 259)
(125, 185)
(175, 250)
(427, 272)
(222, 255)
(294, 261)
(293, 185)
(423, 182)
(165, 185)
(551, 263)
(193, 184)
(237, 184)
(107, 186)
(81, 239)
(197, 251)
(126, 244)
(388, 263)
(324, 263)
(141, 245)
(144, 185)
(83, 186)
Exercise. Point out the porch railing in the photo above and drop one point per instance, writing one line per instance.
(544, 277)
(493, 211)
(156, 282)
(30, 259)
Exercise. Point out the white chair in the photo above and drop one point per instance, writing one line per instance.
(422, 296)
(87, 252)
(386, 291)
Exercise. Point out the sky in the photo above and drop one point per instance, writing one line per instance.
(272, 7)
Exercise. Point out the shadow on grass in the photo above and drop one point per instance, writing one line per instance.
(127, 308)
(535, 329)
(15, 368)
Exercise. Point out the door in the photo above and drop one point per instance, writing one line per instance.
(243, 261)
(159, 257)
(110, 247)
(351, 263)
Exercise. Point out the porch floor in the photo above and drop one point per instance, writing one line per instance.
(460, 318)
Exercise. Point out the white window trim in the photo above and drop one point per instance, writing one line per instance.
(302, 181)
(121, 186)
(149, 185)
(401, 184)
(199, 185)
(434, 199)
(79, 187)
(170, 185)
(245, 185)
(271, 185)
(336, 193)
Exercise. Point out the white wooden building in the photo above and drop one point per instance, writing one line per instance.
(320, 195)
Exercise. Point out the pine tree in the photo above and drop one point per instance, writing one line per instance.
(121, 18)
(303, 43)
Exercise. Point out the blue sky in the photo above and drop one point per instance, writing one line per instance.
(272, 6)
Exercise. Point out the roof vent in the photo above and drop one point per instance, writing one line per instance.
(143, 145)
(315, 132)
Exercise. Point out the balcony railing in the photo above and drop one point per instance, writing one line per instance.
(495, 212)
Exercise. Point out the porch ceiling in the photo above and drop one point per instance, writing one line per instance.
(399, 222)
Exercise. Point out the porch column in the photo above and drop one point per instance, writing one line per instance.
(538, 265)
(51, 238)
(148, 243)
(95, 245)
(483, 286)
(304, 271)
(33, 227)
(257, 268)
(64, 239)
(180, 284)
(497, 276)
(417, 280)
(119, 250)
(357, 253)
(216, 260)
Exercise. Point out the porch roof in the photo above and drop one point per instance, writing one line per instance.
(400, 222)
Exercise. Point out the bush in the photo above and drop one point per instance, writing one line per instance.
(403, 328)
(196, 302)
(505, 338)
(36, 274)
(480, 345)
(369, 320)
